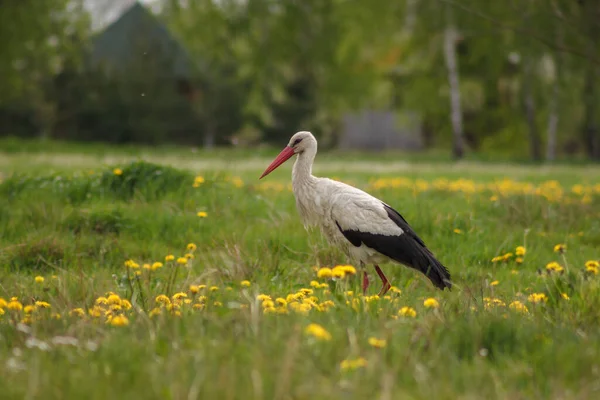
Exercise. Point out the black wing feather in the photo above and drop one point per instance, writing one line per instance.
(407, 249)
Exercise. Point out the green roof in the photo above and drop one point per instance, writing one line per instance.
(138, 34)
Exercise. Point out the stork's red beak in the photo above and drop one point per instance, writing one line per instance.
(280, 159)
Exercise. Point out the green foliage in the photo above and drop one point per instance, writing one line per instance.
(143, 179)
(260, 71)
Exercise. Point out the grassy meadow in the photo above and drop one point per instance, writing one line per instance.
(176, 274)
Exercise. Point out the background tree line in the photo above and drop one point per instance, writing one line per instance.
(519, 77)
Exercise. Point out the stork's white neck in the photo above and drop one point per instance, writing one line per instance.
(302, 171)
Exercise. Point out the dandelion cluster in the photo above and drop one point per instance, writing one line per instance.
(333, 288)
(517, 256)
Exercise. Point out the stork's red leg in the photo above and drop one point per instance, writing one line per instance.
(365, 283)
(386, 284)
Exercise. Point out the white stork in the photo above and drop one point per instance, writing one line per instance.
(368, 230)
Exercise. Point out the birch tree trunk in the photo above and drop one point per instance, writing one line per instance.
(535, 149)
(553, 113)
(458, 141)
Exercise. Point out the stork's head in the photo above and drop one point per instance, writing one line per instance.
(299, 143)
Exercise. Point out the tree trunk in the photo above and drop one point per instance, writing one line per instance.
(209, 136)
(590, 124)
(535, 146)
(553, 113)
(458, 142)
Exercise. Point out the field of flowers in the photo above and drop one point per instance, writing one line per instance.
(147, 280)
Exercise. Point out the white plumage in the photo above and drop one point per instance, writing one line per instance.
(366, 229)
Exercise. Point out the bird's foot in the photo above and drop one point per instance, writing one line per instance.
(386, 284)
(365, 283)
(384, 289)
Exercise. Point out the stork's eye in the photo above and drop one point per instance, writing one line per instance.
(296, 141)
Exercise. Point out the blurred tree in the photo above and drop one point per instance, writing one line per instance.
(37, 39)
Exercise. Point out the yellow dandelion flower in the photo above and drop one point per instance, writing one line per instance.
(77, 312)
(154, 312)
(28, 309)
(191, 247)
(565, 296)
(170, 257)
(218, 304)
(338, 273)
(162, 299)
(317, 331)
(560, 248)
(395, 290)
(507, 256)
(379, 343)
(263, 297)
(245, 283)
(3, 303)
(114, 299)
(42, 304)
(407, 312)
(349, 365)
(538, 298)
(268, 303)
(306, 291)
(348, 269)
(131, 264)
(592, 264)
(198, 306)
(281, 301)
(520, 251)
(458, 231)
(213, 288)
(592, 269)
(431, 303)
(179, 296)
(2, 311)
(39, 279)
(494, 283)
(118, 171)
(519, 260)
(156, 266)
(497, 259)
(202, 214)
(324, 273)
(518, 306)
(14, 304)
(315, 284)
(182, 260)
(554, 267)
(119, 320)
(194, 289)
(55, 316)
(96, 311)
(146, 266)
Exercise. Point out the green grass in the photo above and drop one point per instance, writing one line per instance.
(76, 229)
